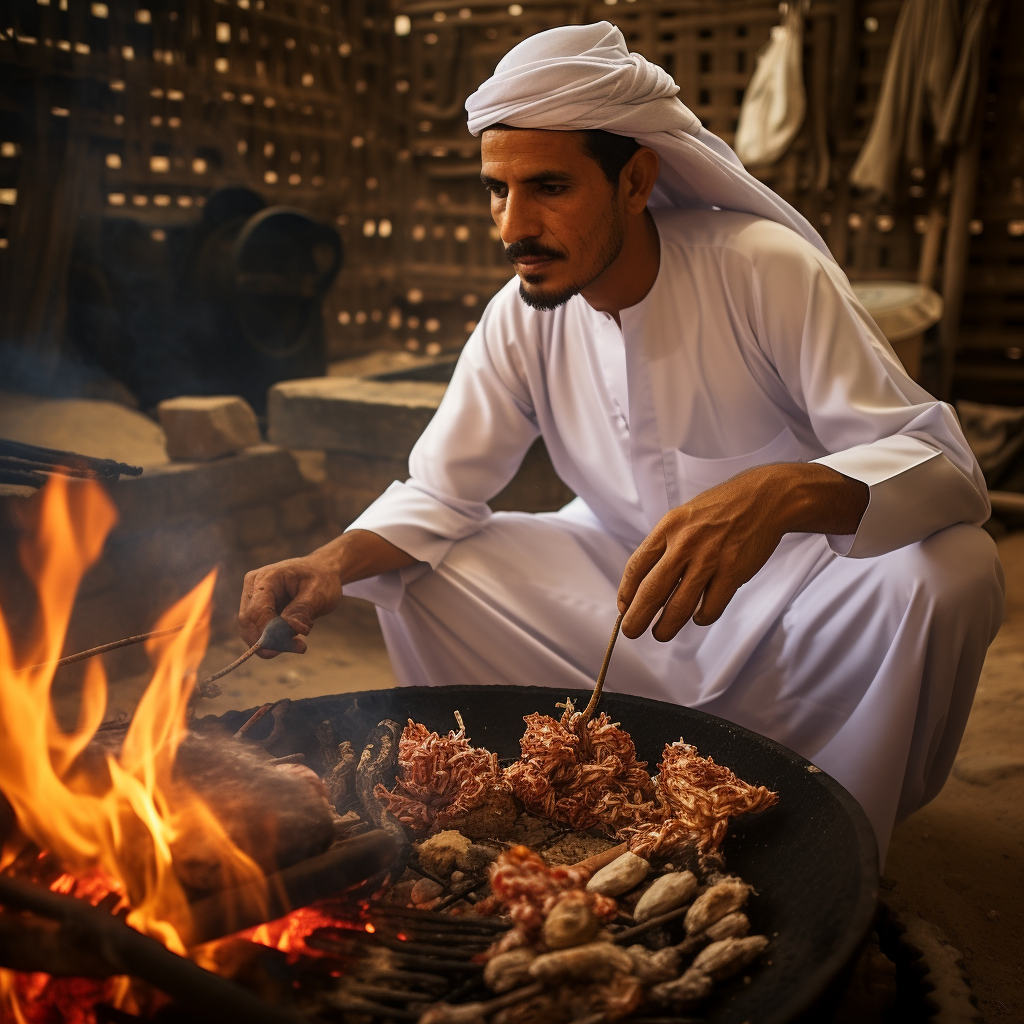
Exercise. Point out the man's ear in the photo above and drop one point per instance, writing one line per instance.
(636, 182)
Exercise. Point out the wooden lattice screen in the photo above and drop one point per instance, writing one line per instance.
(353, 109)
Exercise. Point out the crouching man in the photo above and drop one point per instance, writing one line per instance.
(756, 474)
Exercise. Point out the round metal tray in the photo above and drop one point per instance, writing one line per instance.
(812, 858)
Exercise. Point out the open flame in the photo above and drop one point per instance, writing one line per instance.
(112, 819)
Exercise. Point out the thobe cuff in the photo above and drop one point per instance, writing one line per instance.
(914, 491)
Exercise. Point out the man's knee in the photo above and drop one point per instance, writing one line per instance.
(957, 568)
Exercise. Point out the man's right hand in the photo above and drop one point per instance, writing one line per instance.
(298, 589)
(302, 589)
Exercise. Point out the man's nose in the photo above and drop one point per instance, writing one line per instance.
(518, 219)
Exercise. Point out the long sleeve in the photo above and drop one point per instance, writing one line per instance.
(469, 451)
(877, 425)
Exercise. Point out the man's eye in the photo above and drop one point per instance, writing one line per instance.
(499, 191)
(552, 189)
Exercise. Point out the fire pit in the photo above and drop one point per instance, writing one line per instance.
(812, 858)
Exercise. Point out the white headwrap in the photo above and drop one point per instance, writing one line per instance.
(578, 77)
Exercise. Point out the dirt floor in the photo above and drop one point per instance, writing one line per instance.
(959, 862)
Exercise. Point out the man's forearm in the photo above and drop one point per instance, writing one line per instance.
(359, 554)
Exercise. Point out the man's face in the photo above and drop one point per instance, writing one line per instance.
(559, 216)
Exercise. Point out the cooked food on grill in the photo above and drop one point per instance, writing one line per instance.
(627, 906)
(695, 800)
(584, 774)
(443, 780)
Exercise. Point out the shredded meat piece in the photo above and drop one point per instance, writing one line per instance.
(581, 777)
(587, 775)
(696, 799)
(527, 887)
(439, 775)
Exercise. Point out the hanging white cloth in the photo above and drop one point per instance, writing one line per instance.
(578, 77)
(915, 84)
(775, 101)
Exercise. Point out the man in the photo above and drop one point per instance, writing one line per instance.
(757, 476)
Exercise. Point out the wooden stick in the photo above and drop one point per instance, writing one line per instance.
(596, 695)
(252, 720)
(594, 863)
(230, 668)
(93, 651)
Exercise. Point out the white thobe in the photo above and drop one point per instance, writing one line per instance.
(860, 652)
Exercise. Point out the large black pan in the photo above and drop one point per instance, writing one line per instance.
(812, 858)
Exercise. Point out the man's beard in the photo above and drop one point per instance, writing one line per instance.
(547, 301)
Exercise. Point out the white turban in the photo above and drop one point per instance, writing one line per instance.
(579, 77)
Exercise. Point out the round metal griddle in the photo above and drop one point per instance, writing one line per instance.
(812, 858)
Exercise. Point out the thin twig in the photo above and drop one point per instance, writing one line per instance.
(224, 671)
(252, 720)
(649, 925)
(596, 695)
(93, 651)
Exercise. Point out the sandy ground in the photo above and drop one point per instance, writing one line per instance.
(959, 861)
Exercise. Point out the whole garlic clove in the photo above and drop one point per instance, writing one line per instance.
(727, 956)
(624, 873)
(714, 903)
(666, 893)
(592, 962)
(509, 970)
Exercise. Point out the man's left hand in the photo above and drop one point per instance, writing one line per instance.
(701, 553)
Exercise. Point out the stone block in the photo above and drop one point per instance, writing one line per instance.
(202, 427)
(342, 414)
(254, 525)
(187, 490)
(363, 472)
(299, 513)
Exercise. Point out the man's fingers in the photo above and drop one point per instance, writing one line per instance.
(680, 605)
(264, 592)
(717, 596)
(298, 613)
(246, 626)
(641, 562)
(654, 591)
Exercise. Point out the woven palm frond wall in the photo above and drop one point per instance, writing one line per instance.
(353, 110)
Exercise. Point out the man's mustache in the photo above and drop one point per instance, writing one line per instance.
(528, 247)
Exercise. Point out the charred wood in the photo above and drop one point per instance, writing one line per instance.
(346, 865)
(127, 951)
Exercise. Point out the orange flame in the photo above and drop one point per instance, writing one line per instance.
(121, 817)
